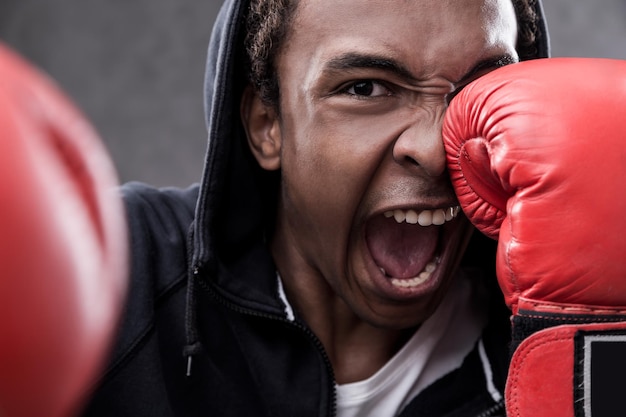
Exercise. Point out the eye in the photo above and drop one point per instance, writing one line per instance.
(367, 88)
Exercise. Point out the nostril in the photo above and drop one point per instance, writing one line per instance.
(410, 160)
(430, 161)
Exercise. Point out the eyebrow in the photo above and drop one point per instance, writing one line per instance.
(366, 61)
(357, 61)
(493, 62)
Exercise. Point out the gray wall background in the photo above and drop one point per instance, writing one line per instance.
(135, 67)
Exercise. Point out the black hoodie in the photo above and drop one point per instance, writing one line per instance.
(205, 332)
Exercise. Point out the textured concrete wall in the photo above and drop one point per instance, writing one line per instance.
(595, 28)
(135, 67)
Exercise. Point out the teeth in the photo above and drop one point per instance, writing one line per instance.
(450, 214)
(439, 217)
(412, 217)
(435, 217)
(420, 278)
(425, 218)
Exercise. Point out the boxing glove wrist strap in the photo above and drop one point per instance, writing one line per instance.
(566, 364)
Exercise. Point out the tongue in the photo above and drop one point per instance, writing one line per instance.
(401, 249)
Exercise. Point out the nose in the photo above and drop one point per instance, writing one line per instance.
(420, 145)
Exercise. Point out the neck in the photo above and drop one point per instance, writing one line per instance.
(356, 348)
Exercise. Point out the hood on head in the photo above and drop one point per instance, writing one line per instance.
(235, 206)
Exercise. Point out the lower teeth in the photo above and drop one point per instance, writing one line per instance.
(419, 279)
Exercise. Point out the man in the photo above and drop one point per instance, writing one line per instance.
(321, 267)
(315, 269)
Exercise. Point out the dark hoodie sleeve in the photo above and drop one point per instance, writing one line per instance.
(159, 221)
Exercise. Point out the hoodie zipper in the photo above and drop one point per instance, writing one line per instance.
(493, 409)
(210, 289)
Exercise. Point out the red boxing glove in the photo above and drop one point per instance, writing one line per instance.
(537, 155)
(63, 247)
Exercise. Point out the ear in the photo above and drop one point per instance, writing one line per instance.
(262, 129)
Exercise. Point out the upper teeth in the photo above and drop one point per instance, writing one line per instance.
(424, 217)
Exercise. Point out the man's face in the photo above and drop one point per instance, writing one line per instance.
(364, 86)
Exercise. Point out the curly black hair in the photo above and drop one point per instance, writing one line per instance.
(268, 21)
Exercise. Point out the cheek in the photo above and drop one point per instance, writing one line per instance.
(329, 160)
(332, 164)
(323, 184)
(320, 180)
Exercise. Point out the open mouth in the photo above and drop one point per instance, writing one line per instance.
(405, 244)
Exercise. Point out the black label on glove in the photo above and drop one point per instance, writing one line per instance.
(600, 374)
